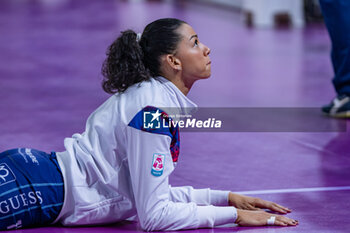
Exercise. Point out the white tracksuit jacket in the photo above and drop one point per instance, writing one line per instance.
(111, 173)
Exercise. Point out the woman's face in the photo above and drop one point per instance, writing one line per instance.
(193, 55)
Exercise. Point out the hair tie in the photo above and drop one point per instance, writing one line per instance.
(138, 37)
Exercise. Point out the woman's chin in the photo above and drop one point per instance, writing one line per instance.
(207, 76)
(203, 76)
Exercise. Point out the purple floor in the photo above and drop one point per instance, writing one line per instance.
(51, 53)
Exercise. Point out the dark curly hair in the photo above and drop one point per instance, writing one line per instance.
(130, 61)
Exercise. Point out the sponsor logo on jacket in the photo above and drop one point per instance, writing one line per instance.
(157, 165)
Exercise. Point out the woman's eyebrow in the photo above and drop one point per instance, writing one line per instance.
(193, 36)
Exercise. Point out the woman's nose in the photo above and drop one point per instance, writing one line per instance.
(206, 50)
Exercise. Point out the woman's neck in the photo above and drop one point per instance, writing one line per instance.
(181, 83)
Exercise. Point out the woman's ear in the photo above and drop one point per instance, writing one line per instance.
(174, 62)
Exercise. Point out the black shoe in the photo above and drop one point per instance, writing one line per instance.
(339, 107)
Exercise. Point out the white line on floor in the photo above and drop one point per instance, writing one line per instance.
(297, 190)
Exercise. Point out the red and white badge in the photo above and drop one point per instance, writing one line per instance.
(157, 164)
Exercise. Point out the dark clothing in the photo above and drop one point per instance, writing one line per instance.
(336, 15)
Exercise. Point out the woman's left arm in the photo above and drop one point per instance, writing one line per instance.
(206, 196)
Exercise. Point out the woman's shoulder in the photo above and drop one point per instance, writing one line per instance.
(139, 96)
(146, 93)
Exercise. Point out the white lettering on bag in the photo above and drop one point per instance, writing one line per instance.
(21, 200)
(12, 204)
(31, 156)
(3, 172)
(4, 207)
(6, 174)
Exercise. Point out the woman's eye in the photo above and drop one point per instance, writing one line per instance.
(196, 42)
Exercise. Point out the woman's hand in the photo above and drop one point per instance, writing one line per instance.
(250, 218)
(252, 203)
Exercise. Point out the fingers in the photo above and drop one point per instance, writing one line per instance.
(272, 206)
(261, 218)
(280, 223)
(284, 221)
(253, 208)
(278, 208)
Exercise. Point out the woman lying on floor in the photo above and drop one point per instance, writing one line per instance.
(119, 167)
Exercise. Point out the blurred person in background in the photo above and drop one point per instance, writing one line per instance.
(336, 15)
